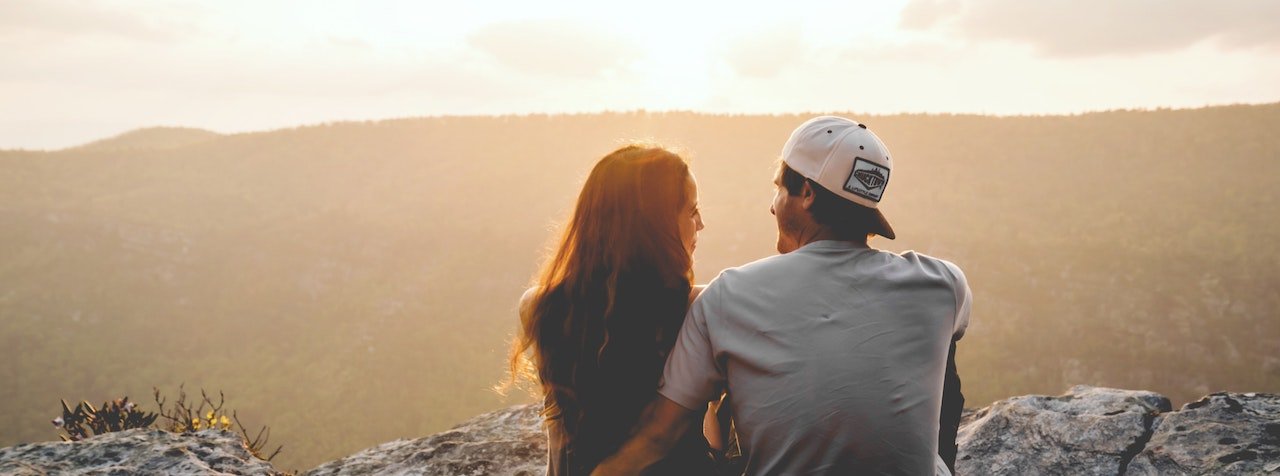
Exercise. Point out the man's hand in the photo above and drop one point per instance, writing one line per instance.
(661, 426)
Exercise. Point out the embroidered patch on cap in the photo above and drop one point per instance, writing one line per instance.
(867, 180)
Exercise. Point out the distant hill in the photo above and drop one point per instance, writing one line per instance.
(152, 138)
(353, 283)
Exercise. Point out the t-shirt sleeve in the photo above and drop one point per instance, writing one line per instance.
(692, 377)
(964, 301)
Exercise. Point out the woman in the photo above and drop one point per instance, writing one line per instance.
(608, 304)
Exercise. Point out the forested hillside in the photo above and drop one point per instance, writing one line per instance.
(353, 283)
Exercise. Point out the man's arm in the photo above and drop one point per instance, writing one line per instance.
(952, 399)
(662, 425)
(952, 408)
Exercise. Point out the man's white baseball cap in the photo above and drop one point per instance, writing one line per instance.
(845, 158)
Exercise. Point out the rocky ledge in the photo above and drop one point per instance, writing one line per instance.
(137, 452)
(1088, 430)
(507, 441)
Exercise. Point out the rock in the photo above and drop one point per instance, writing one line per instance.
(141, 451)
(505, 442)
(1223, 433)
(1089, 430)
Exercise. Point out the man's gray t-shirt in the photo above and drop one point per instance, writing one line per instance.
(833, 356)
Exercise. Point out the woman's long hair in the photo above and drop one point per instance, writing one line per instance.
(609, 301)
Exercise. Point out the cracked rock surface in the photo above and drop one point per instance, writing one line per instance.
(506, 442)
(136, 452)
(1223, 433)
(1089, 430)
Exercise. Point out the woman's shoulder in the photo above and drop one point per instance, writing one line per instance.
(526, 301)
(528, 295)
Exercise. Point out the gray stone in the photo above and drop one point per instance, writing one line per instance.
(137, 452)
(1223, 433)
(505, 442)
(1089, 430)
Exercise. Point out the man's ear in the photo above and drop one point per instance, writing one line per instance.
(807, 195)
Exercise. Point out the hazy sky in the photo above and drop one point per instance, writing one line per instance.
(74, 71)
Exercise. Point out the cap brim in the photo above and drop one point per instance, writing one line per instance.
(882, 228)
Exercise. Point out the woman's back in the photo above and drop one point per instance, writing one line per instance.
(596, 398)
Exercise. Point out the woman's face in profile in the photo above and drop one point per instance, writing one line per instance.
(690, 217)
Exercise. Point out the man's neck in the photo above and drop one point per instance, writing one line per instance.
(825, 234)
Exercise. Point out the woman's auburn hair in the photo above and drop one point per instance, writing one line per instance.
(619, 266)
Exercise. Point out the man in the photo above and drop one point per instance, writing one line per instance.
(834, 353)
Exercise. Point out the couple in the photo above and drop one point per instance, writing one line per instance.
(833, 355)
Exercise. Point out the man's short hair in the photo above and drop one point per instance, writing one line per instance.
(848, 220)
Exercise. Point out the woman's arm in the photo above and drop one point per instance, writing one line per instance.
(711, 427)
(718, 423)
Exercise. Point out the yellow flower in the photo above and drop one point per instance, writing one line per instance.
(226, 423)
(209, 416)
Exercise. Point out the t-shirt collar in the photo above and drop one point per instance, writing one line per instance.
(824, 245)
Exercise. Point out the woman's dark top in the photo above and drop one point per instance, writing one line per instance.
(594, 397)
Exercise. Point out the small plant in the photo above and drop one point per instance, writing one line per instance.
(186, 417)
(183, 417)
(85, 420)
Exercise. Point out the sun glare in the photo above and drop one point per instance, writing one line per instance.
(291, 64)
(676, 69)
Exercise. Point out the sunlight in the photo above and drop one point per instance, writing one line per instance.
(292, 64)
(676, 70)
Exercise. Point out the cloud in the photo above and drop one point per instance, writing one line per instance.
(765, 53)
(932, 52)
(348, 42)
(554, 47)
(62, 18)
(1065, 28)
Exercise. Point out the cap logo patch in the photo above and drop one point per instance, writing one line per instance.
(867, 180)
(871, 179)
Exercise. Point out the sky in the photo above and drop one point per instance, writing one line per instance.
(76, 71)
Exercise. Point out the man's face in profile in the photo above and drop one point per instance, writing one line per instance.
(786, 210)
